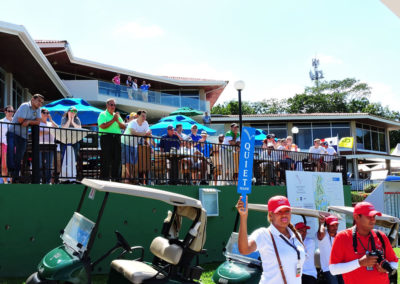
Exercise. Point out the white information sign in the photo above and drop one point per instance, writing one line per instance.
(314, 190)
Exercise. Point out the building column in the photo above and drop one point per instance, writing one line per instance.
(355, 169)
(353, 133)
(8, 97)
(387, 141)
(289, 129)
(388, 166)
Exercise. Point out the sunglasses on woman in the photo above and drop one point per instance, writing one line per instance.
(73, 111)
(45, 112)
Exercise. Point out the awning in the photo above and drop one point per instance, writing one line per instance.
(375, 157)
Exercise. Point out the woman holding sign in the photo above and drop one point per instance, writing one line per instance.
(280, 245)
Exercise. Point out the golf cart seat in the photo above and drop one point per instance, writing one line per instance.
(168, 248)
(135, 271)
(138, 272)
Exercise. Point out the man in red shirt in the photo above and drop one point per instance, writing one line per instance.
(351, 248)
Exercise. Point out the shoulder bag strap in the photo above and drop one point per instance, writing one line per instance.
(278, 258)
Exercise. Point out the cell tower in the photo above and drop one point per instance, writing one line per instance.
(317, 74)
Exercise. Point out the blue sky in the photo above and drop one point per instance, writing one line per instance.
(268, 44)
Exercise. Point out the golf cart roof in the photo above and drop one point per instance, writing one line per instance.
(381, 220)
(295, 210)
(141, 191)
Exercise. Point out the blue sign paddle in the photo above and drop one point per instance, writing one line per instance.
(246, 157)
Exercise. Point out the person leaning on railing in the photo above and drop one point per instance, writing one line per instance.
(27, 114)
(46, 155)
(70, 119)
(9, 112)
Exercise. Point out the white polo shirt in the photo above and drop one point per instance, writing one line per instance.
(309, 264)
(271, 273)
(325, 247)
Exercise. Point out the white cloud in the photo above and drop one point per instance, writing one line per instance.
(136, 30)
(385, 94)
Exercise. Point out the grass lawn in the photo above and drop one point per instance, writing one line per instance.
(397, 251)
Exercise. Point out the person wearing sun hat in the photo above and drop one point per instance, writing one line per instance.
(351, 249)
(309, 271)
(70, 119)
(280, 245)
(328, 227)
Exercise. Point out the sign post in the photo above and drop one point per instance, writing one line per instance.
(246, 157)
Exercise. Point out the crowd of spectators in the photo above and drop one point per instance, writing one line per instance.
(132, 87)
(128, 149)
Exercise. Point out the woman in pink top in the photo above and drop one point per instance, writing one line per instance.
(117, 82)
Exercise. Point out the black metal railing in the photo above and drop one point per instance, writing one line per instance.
(56, 155)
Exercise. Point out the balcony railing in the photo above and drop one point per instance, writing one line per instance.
(154, 97)
(58, 155)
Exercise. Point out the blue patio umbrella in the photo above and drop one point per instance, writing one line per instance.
(173, 118)
(260, 136)
(160, 128)
(87, 114)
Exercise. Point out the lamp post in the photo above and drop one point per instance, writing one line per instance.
(239, 86)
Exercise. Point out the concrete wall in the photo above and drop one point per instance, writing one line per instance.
(31, 217)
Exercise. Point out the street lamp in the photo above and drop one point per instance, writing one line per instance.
(239, 86)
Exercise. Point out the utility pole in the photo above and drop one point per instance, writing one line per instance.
(317, 74)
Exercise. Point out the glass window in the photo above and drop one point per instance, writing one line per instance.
(275, 126)
(321, 125)
(375, 141)
(321, 133)
(358, 125)
(382, 140)
(303, 139)
(341, 124)
(367, 139)
(302, 125)
(341, 132)
(280, 133)
(360, 143)
(17, 94)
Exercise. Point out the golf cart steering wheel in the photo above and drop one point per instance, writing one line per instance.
(122, 241)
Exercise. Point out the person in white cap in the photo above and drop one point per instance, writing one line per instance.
(309, 271)
(280, 245)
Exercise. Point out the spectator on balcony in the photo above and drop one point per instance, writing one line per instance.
(196, 138)
(110, 124)
(129, 86)
(70, 119)
(144, 88)
(139, 127)
(317, 150)
(9, 112)
(46, 155)
(179, 132)
(328, 159)
(27, 114)
(270, 158)
(232, 137)
(169, 140)
(206, 119)
(290, 146)
(117, 82)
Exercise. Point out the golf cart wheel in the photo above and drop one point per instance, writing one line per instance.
(34, 279)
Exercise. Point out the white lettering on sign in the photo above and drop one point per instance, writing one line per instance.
(245, 172)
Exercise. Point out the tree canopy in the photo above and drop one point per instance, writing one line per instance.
(348, 95)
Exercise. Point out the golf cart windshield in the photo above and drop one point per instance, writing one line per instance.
(77, 232)
(232, 251)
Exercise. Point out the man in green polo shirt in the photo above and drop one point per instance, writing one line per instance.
(110, 124)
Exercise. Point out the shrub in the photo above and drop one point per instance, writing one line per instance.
(370, 188)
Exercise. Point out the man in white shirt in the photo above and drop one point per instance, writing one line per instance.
(309, 271)
(317, 150)
(329, 159)
(326, 236)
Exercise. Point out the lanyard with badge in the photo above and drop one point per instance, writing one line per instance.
(298, 266)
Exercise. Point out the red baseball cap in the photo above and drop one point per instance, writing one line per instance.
(277, 203)
(332, 220)
(301, 225)
(366, 209)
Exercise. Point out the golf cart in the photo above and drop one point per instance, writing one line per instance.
(385, 223)
(240, 268)
(173, 259)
